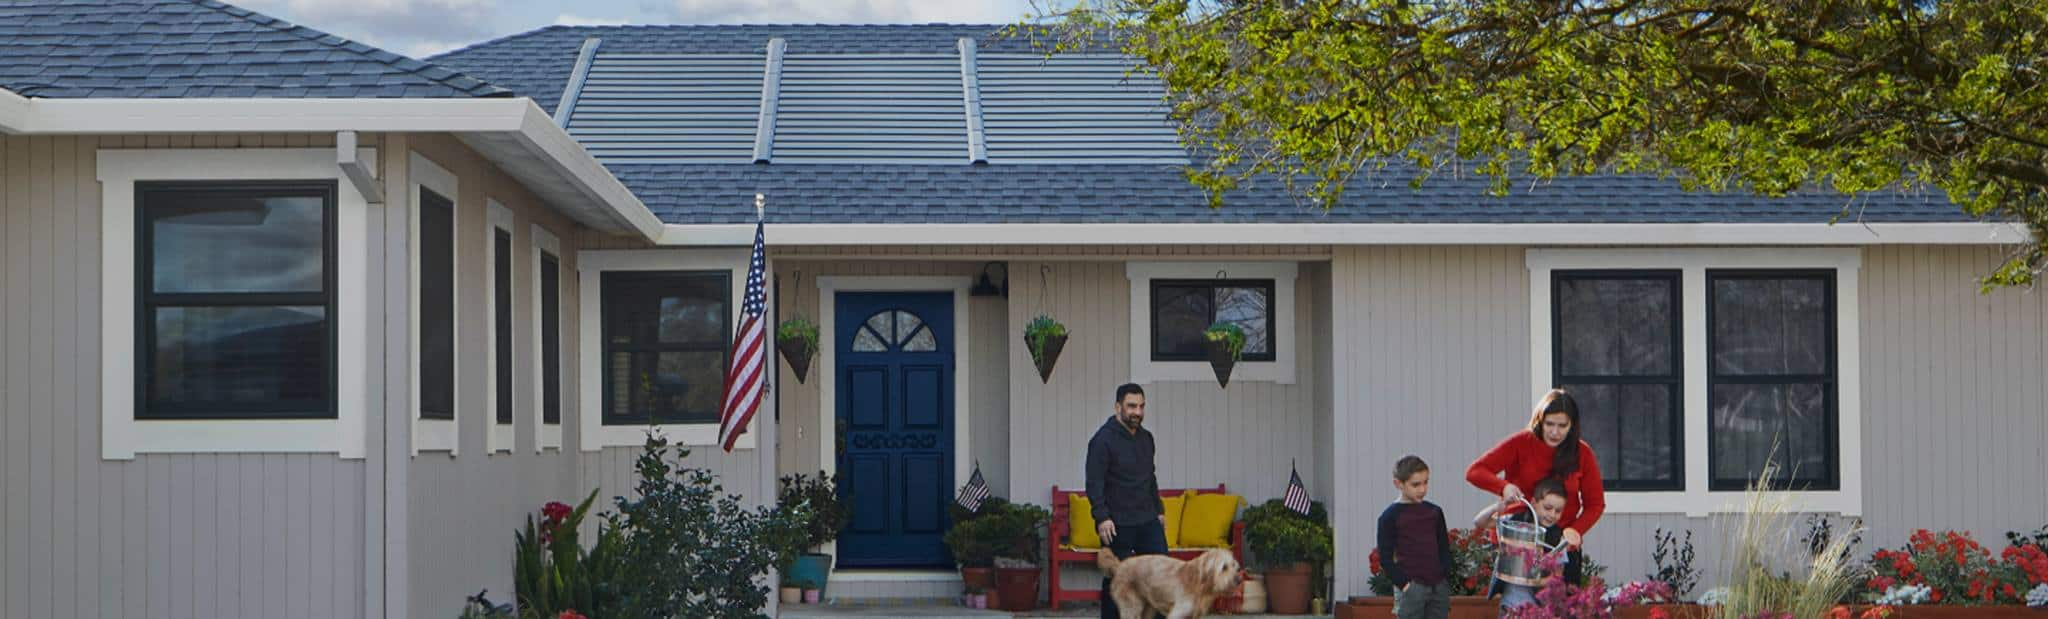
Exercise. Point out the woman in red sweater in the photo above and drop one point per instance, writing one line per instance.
(1550, 447)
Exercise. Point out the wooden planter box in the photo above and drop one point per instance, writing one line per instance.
(1377, 607)
(1693, 611)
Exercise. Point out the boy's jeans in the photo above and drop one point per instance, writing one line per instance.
(1516, 595)
(1421, 601)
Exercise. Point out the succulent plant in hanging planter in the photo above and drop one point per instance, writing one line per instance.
(797, 340)
(1223, 342)
(1045, 338)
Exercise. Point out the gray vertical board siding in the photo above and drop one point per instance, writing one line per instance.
(1244, 436)
(462, 510)
(860, 108)
(1075, 108)
(161, 535)
(646, 108)
(1431, 359)
(1316, 277)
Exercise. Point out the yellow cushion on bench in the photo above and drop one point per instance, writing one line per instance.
(1205, 522)
(1174, 507)
(1081, 524)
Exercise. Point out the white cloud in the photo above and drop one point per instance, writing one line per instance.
(846, 11)
(566, 19)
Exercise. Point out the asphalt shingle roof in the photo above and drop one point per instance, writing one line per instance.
(701, 194)
(199, 49)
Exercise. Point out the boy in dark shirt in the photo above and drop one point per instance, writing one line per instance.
(1415, 546)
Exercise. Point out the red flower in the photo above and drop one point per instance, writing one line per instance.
(1838, 612)
(1658, 613)
(1375, 559)
(1876, 612)
(570, 614)
(556, 511)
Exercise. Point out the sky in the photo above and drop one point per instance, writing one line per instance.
(421, 28)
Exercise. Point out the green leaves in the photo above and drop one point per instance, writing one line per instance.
(1751, 95)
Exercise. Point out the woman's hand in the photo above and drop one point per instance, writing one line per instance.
(1572, 538)
(1510, 494)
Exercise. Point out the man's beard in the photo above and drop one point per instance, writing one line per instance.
(1130, 423)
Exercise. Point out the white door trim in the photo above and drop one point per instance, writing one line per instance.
(828, 395)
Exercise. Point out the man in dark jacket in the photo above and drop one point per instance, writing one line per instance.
(1123, 486)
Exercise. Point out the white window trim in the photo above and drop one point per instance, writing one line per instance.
(1279, 370)
(1696, 499)
(546, 435)
(121, 434)
(829, 287)
(590, 269)
(501, 435)
(433, 434)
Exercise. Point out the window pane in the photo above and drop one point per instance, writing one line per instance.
(1771, 326)
(693, 314)
(668, 386)
(253, 240)
(437, 306)
(272, 358)
(866, 341)
(884, 328)
(501, 321)
(1615, 327)
(656, 309)
(906, 324)
(1749, 419)
(1245, 307)
(1179, 315)
(922, 342)
(550, 339)
(1629, 427)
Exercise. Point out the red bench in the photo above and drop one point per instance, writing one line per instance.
(1062, 553)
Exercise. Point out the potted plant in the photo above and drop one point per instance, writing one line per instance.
(797, 340)
(1223, 342)
(1016, 533)
(973, 546)
(819, 498)
(1288, 546)
(1045, 337)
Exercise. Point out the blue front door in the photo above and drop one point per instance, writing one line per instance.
(895, 416)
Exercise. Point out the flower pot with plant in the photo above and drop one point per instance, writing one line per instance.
(1015, 535)
(819, 498)
(1223, 342)
(1291, 548)
(797, 340)
(973, 546)
(1045, 338)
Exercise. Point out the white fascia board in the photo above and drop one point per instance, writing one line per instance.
(535, 133)
(14, 110)
(1961, 233)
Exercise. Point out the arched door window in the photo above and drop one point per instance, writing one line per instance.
(895, 330)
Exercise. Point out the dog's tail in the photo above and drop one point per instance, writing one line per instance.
(1107, 561)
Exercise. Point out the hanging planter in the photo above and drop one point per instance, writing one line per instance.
(797, 340)
(1045, 338)
(1223, 342)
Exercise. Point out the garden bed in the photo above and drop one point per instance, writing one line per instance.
(1382, 607)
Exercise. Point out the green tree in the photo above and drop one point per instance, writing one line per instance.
(1769, 96)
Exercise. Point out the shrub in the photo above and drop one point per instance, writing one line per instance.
(1471, 564)
(690, 549)
(1674, 562)
(1956, 569)
(819, 498)
(1279, 536)
(1005, 531)
(1765, 573)
(553, 573)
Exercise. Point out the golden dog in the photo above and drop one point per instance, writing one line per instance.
(1146, 584)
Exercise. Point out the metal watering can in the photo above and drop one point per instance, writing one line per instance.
(1518, 545)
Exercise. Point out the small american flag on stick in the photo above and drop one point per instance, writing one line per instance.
(1297, 496)
(746, 378)
(976, 490)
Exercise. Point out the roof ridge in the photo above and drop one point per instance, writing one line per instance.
(429, 71)
(501, 39)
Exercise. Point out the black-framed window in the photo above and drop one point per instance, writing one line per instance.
(501, 322)
(1771, 379)
(665, 345)
(437, 306)
(1618, 346)
(1183, 308)
(550, 339)
(235, 300)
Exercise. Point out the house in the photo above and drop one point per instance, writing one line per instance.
(480, 247)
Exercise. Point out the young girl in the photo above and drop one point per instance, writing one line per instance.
(1548, 497)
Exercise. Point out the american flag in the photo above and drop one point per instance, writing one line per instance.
(972, 494)
(1297, 496)
(744, 381)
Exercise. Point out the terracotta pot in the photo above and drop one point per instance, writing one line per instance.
(1047, 356)
(1018, 588)
(1254, 596)
(1382, 607)
(978, 579)
(1219, 361)
(792, 595)
(1287, 591)
(794, 351)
